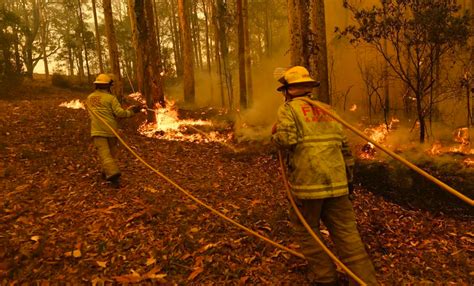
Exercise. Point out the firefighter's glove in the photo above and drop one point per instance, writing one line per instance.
(136, 108)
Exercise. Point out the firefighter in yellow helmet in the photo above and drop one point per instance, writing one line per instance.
(320, 175)
(106, 105)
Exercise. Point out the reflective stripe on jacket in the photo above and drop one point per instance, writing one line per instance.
(320, 161)
(108, 108)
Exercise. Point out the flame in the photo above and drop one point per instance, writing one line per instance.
(353, 107)
(436, 149)
(74, 104)
(461, 136)
(377, 134)
(168, 126)
(469, 162)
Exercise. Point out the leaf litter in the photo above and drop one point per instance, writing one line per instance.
(59, 222)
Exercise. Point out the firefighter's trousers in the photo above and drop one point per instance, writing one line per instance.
(107, 150)
(338, 216)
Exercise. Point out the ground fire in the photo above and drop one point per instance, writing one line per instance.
(156, 142)
(74, 104)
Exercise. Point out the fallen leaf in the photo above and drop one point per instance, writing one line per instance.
(102, 264)
(35, 238)
(130, 278)
(150, 261)
(195, 273)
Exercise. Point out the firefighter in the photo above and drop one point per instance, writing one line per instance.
(106, 105)
(320, 167)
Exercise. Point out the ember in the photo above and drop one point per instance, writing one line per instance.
(74, 104)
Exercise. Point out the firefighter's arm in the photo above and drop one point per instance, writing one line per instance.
(284, 131)
(118, 110)
(348, 159)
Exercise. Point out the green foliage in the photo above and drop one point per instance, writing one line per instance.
(412, 36)
(435, 22)
(9, 25)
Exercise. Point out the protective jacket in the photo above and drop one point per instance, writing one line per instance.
(320, 162)
(108, 108)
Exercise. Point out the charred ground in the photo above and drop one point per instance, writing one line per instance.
(60, 222)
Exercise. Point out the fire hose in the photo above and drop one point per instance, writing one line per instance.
(216, 212)
(308, 227)
(295, 207)
(331, 255)
(195, 199)
(391, 153)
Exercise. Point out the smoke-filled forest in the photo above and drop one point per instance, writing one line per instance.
(235, 142)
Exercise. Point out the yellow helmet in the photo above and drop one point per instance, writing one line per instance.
(103, 79)
(296, 75)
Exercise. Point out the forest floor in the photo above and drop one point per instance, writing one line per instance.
(59, 221)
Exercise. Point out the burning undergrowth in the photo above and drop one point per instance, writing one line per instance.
(169, 125)
(454, 145)
(450, 160)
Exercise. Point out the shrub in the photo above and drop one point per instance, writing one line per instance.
(60, 80)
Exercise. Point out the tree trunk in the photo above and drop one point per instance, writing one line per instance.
(386, 82)
(298, 18)
(196, 32)
(81, 24)
(188, 75)
(241, 48)
(113, 48)
(217, 48)
(158, 37)
(30, 36)
(97, 38)
(208, 50)
(139, 66)
(145, 50)
(177, 40)
(44, 38)
(294, 24)
(80, 64)
(222, 28)
(71, 62)
(320, 59)
(268, 27)
(248, 61)
(153, 70)
(470, 105)
(421, 118)
(18, 62)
